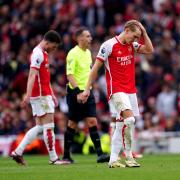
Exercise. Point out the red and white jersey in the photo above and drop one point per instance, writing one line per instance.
(39, 61)
(119, 64)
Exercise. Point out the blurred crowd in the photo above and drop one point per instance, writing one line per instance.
(23, 23)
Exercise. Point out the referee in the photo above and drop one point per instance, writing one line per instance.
(78, 64)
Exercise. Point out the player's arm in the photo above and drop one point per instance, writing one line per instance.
(93, 73)
(102, 56)
(147, 47)
(31, 78)
(91, 79)
(36, 60)
(53, 96)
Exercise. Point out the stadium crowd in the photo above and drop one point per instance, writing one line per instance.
(23, 22)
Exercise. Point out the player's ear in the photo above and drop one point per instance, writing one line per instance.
(46, 43)
(81, 37)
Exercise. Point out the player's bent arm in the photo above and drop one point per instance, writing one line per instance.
(93, 73)
(147, 48)
(53, 96)
(91, 78)
(31, 78)
(52, 92)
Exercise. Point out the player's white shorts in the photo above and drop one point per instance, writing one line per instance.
(42, 105)
(123, 101)
(112, 109)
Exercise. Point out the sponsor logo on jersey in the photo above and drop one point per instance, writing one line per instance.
(125, 60)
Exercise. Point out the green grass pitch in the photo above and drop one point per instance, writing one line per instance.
(153, 167)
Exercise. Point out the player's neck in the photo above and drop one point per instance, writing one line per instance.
(42, 45)
(121, 38)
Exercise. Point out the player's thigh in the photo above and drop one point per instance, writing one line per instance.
(121, 101)
(47, 118)
(122, 104)
(38, 121)
(112, 109)
(41, 106)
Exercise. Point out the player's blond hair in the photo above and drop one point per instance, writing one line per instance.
(132, 25)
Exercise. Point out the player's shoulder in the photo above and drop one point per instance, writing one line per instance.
(37, 51)
(110, 42)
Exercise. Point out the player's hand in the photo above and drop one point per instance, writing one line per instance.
(25, 101)
(142, 27)
(55, 100)
(85, 96)
(79, 98)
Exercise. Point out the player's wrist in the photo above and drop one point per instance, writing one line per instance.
(87, 90)
(77, 90)
(27, 96)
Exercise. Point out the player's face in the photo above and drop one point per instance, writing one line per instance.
(132, 36)
(50, 47)
(86, 39)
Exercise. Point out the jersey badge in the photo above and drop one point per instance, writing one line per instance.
(103, 50)
(37, 61)
(136, 45)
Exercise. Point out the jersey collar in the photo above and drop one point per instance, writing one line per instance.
(116, 37)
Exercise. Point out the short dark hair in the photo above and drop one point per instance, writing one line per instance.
(53, 36)
(80, 31)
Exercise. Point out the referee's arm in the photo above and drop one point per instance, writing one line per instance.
(72, 80)
(70, 69)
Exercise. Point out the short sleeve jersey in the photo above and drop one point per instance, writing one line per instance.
(78, 63)
(39, 61)
(119, 65)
